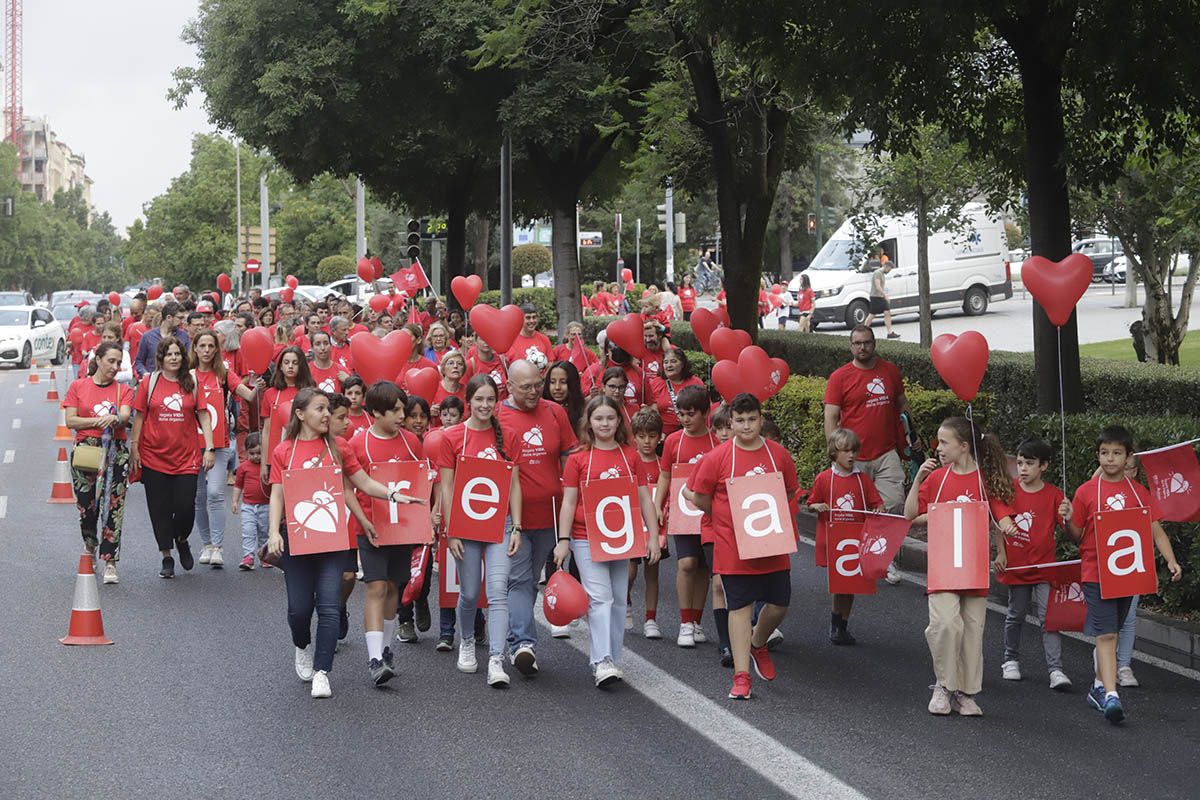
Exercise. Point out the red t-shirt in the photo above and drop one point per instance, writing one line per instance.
(89, 340)
(460, 440)
(526, 347)
(869, 399)
(214, 400)
(633, 389)
(369, 448)
(709, 478)
(306, 453)
(648, 469)
(1112, 496)
(168, 439)
(125, 323)
(356, 423)
(805, 301)
(841, 492)
(90, 400)
(687, 299)
(248, 479)
(326, 378)
(564, 351)
(341, 357)
(590, 378)
(544, 435)
(652, 365)
(271, 399)
(602, 305)
(232, 359)
(1035, 515)
(133, 334)
(665, 403)
(594, 464)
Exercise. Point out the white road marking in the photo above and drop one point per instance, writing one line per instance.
(917, 580)
(20, 400)
(16, 423)
(3, 506)
(766, 756)
(9, 455)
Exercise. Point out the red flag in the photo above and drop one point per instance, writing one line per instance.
(413, 319)
(1066, 609)
(416, 580)
(881, 539)
(419, 273)
(579, 354)
(1174, 477)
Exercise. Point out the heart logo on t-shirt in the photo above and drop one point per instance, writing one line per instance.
(315, 461)
(328, 385)
(653, 367)
(875, 386)
(630, 390)
(611, 472)
(846, 502)
(965, 498)
(1116, 502)
(102, 409)
(1024, 520)
(489, 453)
(695, 458)
(173, 402)
(533, 436)
(759, 470)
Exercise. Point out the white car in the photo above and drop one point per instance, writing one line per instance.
(313, 294)
(28, 332)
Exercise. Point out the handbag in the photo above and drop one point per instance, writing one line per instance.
(90, 457)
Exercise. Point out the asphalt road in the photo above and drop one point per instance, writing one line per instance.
(198, 698)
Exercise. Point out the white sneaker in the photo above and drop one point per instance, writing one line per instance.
(320, 684)
(1059, 680)
(893, 575)
(606, 673)
(110, 572)
(205, 554)
(1011, 671)
(1125, 678)
(628, 618)
(466, 656)
(560, 631)
(774, 639)
(216, 558)
(698, 633)
(304, 663)
(651, 631)
(496, 675)
(687, 635)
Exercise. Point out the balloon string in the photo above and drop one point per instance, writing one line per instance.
(1062, 412)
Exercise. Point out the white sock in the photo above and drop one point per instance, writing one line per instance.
(1097, 682)
(389, 629)
(1110, 694)
(374, 644)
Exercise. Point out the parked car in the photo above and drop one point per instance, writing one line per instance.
(74, 295)
(28, 332)
(1101, 250)
(313, 294)
(965, 271)
(16, 299)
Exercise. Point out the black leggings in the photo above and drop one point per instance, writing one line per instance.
(171, 501)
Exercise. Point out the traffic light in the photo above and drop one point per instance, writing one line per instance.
(680, 228)
(414, 239)
(662, 216)
(812, 224)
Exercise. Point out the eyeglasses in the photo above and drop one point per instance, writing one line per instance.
(616, 387)
(530, 387)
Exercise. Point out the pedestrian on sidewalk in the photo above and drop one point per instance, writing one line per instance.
(879, 296)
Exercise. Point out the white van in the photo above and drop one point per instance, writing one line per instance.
(966, 270)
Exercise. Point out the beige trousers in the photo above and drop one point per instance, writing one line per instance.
(955, 636)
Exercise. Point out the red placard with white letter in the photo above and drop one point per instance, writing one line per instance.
(683, 518)
(481, 488)
(448, 583)
(1125, 553)
(402, 523)
(315, 506)
(843, 542)
(612, 516)
(762, 524)
(958, 547)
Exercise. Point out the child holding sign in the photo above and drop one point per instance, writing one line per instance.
(746, 485)
(1113, 521)
(647, 435)
(839, 495)
(603, 492)
(974, 476)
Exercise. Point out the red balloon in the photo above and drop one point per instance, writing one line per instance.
(627, 275)
(257, 347)
(380, 359)
(466, 289)
(628, 286)
(727, 343)
(722, 313)
(423, 382)
(216, 299)
(377, 265)
(727, 379)
(1057, 285)
(398, 301)
(776, 289)
(366, 270)
(627, 334)
(776, 300)
(286, 294)
(114, 298)
(704, 322)
(154, 292)
(961, 361)
(378, 303)
(760, 374)
(564, 599)
(292, 281)
(499, 327)
(224, 283)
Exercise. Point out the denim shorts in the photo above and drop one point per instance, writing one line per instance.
(1103, 616)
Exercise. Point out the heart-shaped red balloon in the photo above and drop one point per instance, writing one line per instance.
(727, 379)
(961, 361)
(377, 265)
(499, 327)
(704, 322)
(154, 292)
(256, 348)
(380, 359)
(627, 275)
(114, 299)
(627, 333)
(722, 313)
(727, 343)
(760, 374)
(564, 599)
(378, 303)
(224, 283)
(466, 289)
(1057, 286)
(286, 294)
(423, 382)
(292, 281)
(366, 270)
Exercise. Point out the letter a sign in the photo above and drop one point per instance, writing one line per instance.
(958, 547)
(843, 542)
(402, 523)
(683, 518)
(481, 487)
(612, 516)
(762, 523)
(1124, 552)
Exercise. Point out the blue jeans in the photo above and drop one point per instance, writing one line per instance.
(210, 498)
(1128, 635)
(536, 544)
(470, 575)
(255, 519)
(606, 584)
(314, 583)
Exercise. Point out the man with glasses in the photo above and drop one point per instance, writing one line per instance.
(867, 396)
(546, 437)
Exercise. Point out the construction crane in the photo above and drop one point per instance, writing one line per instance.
(13, 45)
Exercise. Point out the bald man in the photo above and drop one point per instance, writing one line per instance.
(546, 436)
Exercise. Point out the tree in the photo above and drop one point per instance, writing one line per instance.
(332, 268)
(530, 259)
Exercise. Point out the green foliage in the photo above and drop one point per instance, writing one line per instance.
(331, 268)
(542, 299)
(530, 259)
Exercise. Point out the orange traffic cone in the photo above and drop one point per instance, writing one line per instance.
(33, 376)
(61, 491)
(52, 392)
(87, 626)
(62, 433)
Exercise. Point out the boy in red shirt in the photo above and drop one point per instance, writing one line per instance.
(647, 435)
(746, 580)
(1110, 490)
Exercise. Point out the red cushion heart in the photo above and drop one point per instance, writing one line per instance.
(466, 289)
(422, 382)
(498, 327)
(727, 379)
(704, 322)
(961, 361)
(1057, 286)
(378, 303)
(627, 333)
(728, 343)
(760, 374)
(380, 359)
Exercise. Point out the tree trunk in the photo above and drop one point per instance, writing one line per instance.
(563, 244)
(923, 297)
(481, 234)
(785, 254)
(456, 242)
(1131, 284)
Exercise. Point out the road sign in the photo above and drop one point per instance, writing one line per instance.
(590, 239)
(253, 265)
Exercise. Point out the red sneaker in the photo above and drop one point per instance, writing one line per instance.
(763, 664)
(741, 686)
